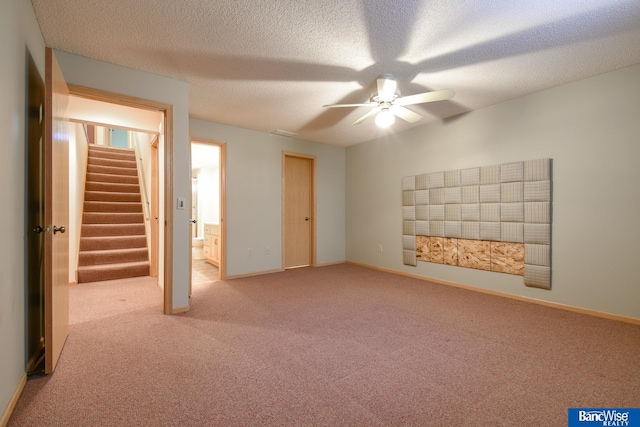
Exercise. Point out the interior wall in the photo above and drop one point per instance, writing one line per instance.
(142, 141)
(254, 196)
(101, 75)
(207, 198)
(78, 152)
(589, 128)
(19, 33)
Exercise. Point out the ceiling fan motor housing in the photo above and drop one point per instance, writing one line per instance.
(374, 97)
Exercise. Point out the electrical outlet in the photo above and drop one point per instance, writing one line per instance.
(380, 248)
(249, 251)
(267, 251)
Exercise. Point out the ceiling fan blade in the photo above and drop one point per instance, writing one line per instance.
(368, 104)
(436, 95)
(366, 116)
(386, 88)
(405, 114)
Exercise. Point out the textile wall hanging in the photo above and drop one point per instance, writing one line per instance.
(495, 218)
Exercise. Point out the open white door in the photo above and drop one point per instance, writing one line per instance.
(56, 253)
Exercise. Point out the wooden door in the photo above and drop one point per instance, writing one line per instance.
(298, 211)
(56, 260)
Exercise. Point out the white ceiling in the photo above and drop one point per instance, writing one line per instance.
(106, 114)
(272, 64)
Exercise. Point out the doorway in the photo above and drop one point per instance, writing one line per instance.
(161, 216)
(207, 211)
(298, 207)
(35, 221)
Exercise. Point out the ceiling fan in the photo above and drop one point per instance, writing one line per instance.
(388, 103)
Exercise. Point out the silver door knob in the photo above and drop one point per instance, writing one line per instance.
(61, 229)
(192, 221)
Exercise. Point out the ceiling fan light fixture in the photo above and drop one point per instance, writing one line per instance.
(386, 102)
(385, 118)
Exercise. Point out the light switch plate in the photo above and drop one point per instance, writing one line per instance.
(181, 203)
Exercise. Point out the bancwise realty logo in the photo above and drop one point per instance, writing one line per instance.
(606, 417)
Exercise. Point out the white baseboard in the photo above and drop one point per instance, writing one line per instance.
(256, 273)
(325, 264)
(595, 313)
(181, 309)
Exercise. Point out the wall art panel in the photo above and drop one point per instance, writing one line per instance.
(470, 212)
(421, 197)
(490, 175)
(470, 177)
(422, 212)
(470, 194)
(408, 183)
(421, 182)
(495, 217)
(452, 178)
(435, 180)
(422, 228)
(409, 258)
(409, 213)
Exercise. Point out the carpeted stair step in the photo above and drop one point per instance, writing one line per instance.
(112, 218)
(99, 161)
(111, 196)
(111, 187)
(112, 242)
(112, 256)
(118, 179)
(112, 170)
(95, 230)
(97, 273)
(95, 206)
(111, 152)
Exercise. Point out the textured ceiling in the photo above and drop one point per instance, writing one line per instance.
(272, 64)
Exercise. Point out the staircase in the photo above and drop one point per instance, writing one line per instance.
(113, 244)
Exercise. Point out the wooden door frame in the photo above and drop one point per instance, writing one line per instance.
(153, 261)
(312, 196)
(222, 263)
(167, 111)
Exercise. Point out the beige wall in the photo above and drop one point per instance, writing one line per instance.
(589, 128)
(254, 197)
(19, 32)
(101, 75)
(78, 152)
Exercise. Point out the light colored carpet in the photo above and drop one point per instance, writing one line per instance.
(336, 346)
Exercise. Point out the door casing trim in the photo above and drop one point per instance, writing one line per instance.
(167, 111)
(222, 267)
